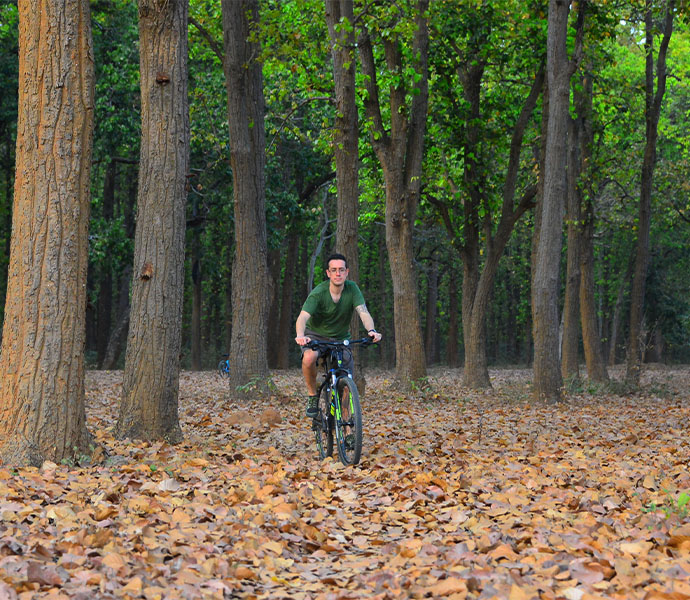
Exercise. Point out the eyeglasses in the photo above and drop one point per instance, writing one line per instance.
(336, 271)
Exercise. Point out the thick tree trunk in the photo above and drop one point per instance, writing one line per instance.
(400, 152)
(409, 346)
(652, 112)
(250, 277)
(340, 21)
(149, 408)
(42, 358)
(548, 381)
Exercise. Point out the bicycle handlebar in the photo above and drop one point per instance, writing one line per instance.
(315, 344)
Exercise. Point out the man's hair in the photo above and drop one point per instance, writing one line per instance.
(335, 256)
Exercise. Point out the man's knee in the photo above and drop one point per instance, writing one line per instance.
(309, 358)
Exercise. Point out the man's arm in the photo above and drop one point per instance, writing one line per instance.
(300, 326)
(368, 321)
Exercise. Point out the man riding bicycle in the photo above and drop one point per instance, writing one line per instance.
(326, 315)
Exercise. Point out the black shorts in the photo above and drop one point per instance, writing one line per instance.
(348, 360)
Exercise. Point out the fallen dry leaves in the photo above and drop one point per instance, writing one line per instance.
(459, 495)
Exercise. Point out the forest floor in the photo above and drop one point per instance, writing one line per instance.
(459, 494)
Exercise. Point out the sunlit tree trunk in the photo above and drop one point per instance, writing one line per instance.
(42, 358)
(149, 408)
(250, 277)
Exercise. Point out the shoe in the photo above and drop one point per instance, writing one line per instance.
(350, 442)
(313, 407)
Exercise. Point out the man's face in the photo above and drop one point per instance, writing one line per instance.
(337, 272)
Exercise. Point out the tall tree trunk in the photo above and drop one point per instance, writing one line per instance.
(548, 381)
(197, 303)
(250, 276)
(118, 335)
(149, 408)
(652, 112)
(285, 322)
(399, 149)
(273, 325)
(105, 293)
(570, 343)
(388, 341)
(430, 333)
(591, 336)
(42, 357)
(340, 21)
(618, 311)
(452, 352)
(477, 282)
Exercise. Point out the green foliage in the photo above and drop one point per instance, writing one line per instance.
(502, 39)
(678, 506)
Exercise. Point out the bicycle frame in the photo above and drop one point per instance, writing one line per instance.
(330, 422)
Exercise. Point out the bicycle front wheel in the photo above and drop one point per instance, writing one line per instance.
(322, 425)
(348, 422)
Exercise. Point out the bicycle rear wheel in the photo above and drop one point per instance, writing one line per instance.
(348, 428)
(223, 370)
(322, 425)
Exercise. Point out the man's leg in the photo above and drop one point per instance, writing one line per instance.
(309, 358)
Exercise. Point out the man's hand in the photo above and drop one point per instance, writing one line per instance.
(376, 335)
(302, 340)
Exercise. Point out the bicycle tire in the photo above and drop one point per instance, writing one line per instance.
(223, 370)
(322, 425)
(348, 433)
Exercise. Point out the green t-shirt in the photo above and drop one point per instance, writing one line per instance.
(328, 318)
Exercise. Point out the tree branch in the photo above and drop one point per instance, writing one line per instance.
(213, 44)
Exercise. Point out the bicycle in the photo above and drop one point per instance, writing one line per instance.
(224, 368)
(340, 413)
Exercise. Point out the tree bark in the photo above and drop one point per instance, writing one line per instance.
(250, 277)
(197, 303)
(273, 324)
(430, 329)
(399, 149)
(42, 412)
(149, 408)
(548, 382)
(118, 335)
(105, 293)
(340, 21)
(570, 363)
(286, 320)
(452, 353)
(652, 112)
(591, 335)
